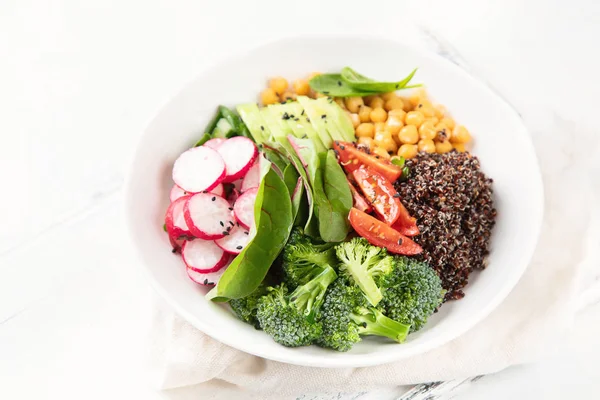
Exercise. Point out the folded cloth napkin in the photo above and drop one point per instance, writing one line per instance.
(528, 324)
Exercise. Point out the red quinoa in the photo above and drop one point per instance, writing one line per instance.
(452, 201)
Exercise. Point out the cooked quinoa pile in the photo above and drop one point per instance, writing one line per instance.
(452, 201)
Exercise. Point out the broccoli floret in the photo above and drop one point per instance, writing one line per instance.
(346, 316)
(291, 319)
(365, 265)
(412, 292)
(303, 259)
(245, 308)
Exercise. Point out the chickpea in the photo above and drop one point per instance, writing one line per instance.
(380, 126)
(400, 114)
(440, 111)
(268, 96)
(408, 151)
(301, 87)
(380, 152)
(408, 134)
(415, 118)
(408, 106)
(279, 84)
(449, 122)
(376, 102)
(460, 147)
(366, 129)
(366, 141)
(418, 96)
(389, 95)
(355, 120)
(353, 103)
(364, 113)
(427, 111)
(378, 115)
(340, 102)
(442, 132)
(394, 104)
(394, 124)
(460, 134)
(427, 145)
(434, 120)
(427, 130)
(288, 96)
(443, 147)
(384, 140)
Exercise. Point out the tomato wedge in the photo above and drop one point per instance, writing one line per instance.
(406, 226)
(379, 192)
(382, 235)
(352, 158)
(359, 200)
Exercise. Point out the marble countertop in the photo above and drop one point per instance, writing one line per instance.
(80, 80)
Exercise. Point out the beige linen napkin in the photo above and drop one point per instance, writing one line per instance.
(527, 325)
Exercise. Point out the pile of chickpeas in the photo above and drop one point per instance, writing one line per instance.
(389, 125)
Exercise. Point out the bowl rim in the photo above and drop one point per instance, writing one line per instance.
(366, 359)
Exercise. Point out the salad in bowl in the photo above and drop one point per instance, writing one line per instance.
(339, 207)
(344, 218)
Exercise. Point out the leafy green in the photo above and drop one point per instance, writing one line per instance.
(334, 85)
(293, 182)
(350, 83)
(273, 221)
(361, 82)
(399, 161)
(203, 139)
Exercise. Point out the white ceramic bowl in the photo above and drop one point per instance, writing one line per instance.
(501, 142)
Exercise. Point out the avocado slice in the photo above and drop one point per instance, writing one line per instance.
(250, 114)
(314, 115)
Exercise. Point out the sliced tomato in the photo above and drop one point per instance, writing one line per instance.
(359, 200)
(352, 158)
(380, 234)
(405, 224)
(379, 192)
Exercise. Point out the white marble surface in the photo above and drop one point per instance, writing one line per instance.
(80, 80)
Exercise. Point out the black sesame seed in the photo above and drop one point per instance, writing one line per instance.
(225, 233)
(396, 195)
(206, 281)
(342, 147)
(323, 116)
(239, 247)
(397, 86)
(221, 222)
(214, 198)
(302, 112)
(173, 250)
(262, 128)
(230, 208)
(400, 242)
(325, 92)
(339, 83)
(231, 223)
(245, 232)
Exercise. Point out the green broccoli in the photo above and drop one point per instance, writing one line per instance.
(292, 319)
(245, 308)
(302, 259)
(411, 293)
(346, 316)
(365, 265)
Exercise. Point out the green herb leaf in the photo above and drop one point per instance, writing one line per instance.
(203, 139)
(399, 161)
(360, 82)
(165, 227)
(333, 85)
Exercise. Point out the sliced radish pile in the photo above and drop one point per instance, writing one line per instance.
(243, 209)
(235, 242)
(252, 178)
(199, 169)
(177, 192)
(175, 220)
(214, 143)
(206, 279)
(239, 154)
(204, 256)
(208, 216)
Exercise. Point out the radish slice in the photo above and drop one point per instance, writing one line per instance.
(177, 192)
(219, 190)
(243, 209)
(203, 256)
(177, 244)
(175, 220)
(239, 153)
(214, 143)
(199, 169)
(233, 196)
(235, 242)
(207, 215)
(252, 178)
(206, 279)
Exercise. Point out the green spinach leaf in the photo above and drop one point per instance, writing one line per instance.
(360, 82)
(273, 217)
(334, 85)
